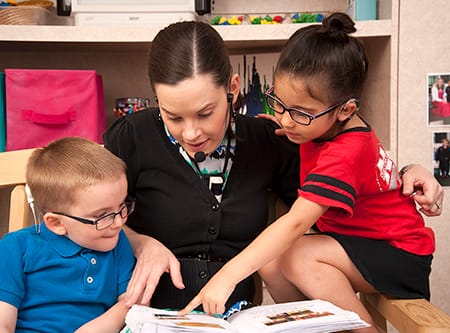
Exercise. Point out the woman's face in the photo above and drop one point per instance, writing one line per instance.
(195, 112)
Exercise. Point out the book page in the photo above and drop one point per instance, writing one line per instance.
(143, 319)
(312, 316)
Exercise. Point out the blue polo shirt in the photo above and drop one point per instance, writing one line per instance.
(55, 284)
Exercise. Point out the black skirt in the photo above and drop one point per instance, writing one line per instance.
(390, 270)
(196, 273)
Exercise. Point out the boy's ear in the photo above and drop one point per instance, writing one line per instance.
(348, 110)
(54, 224)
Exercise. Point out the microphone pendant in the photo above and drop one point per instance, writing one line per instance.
(199, 156)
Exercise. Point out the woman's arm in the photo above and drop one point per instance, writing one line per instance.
(153, 259)
(425, 189)
(8, 318)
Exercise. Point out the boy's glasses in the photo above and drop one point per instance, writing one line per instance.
(107, 220)
(297, 115)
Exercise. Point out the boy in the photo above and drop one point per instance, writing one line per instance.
(64, 275)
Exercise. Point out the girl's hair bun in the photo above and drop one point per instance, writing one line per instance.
(338, 25)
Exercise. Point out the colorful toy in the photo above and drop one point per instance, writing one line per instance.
(306, 18)
(127, 105)
(8, 3)
(266, 19)
(222, 20)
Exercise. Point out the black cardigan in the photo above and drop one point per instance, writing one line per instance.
(174, 206)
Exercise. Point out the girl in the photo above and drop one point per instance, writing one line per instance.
(371, 238)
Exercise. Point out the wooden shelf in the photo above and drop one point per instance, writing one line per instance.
(120, 55)
(250, 38)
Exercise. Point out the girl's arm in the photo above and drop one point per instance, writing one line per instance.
(270, 244)
(8, 317)
(112, 320)
(153, 259)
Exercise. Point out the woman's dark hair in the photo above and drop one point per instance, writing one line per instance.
(326, 51)
(184, 49)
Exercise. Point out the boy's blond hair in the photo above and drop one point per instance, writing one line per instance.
(56, 172)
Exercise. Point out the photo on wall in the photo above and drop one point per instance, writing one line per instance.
(438, 99)
(441, 157)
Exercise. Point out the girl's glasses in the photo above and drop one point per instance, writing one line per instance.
(297, 115)
(107, 220)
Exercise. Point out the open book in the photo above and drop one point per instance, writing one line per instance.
(303, 316)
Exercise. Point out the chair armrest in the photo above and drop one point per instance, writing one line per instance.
(407, 315)
(18, 211)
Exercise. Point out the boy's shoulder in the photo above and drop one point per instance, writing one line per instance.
(18, 243)
(19, 235)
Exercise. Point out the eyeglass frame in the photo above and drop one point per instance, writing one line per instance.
(268, 95)
(95, 222)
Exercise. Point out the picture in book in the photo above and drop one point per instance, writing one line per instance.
(310, 316)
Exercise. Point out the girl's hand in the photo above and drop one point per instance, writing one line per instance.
(278, 131)
(153, 259)
(419, 183)
(213, 296)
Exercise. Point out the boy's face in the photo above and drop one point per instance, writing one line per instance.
(98, 200)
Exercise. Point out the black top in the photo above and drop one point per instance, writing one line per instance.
(174, 206)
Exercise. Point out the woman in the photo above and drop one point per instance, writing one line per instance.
(201, 173)
(438, 99)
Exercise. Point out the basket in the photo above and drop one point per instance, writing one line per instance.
(37, 3)
(23, 15)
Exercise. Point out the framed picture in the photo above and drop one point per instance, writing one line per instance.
(438, 99)
(441, 157)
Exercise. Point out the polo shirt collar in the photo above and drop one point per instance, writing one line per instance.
(62, 245)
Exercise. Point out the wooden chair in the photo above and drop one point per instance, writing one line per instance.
(12, 175)
(405, 315)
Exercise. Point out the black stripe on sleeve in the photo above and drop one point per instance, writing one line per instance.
(333, 182)
(323, 192)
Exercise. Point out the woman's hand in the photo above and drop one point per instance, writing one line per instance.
(153, 259)
(419, 183)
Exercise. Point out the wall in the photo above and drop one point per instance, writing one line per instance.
(424, 48)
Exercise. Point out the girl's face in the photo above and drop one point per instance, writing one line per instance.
(196, 112)
(296, 94)
(93, 202)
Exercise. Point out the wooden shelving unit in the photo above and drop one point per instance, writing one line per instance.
(119, 54)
